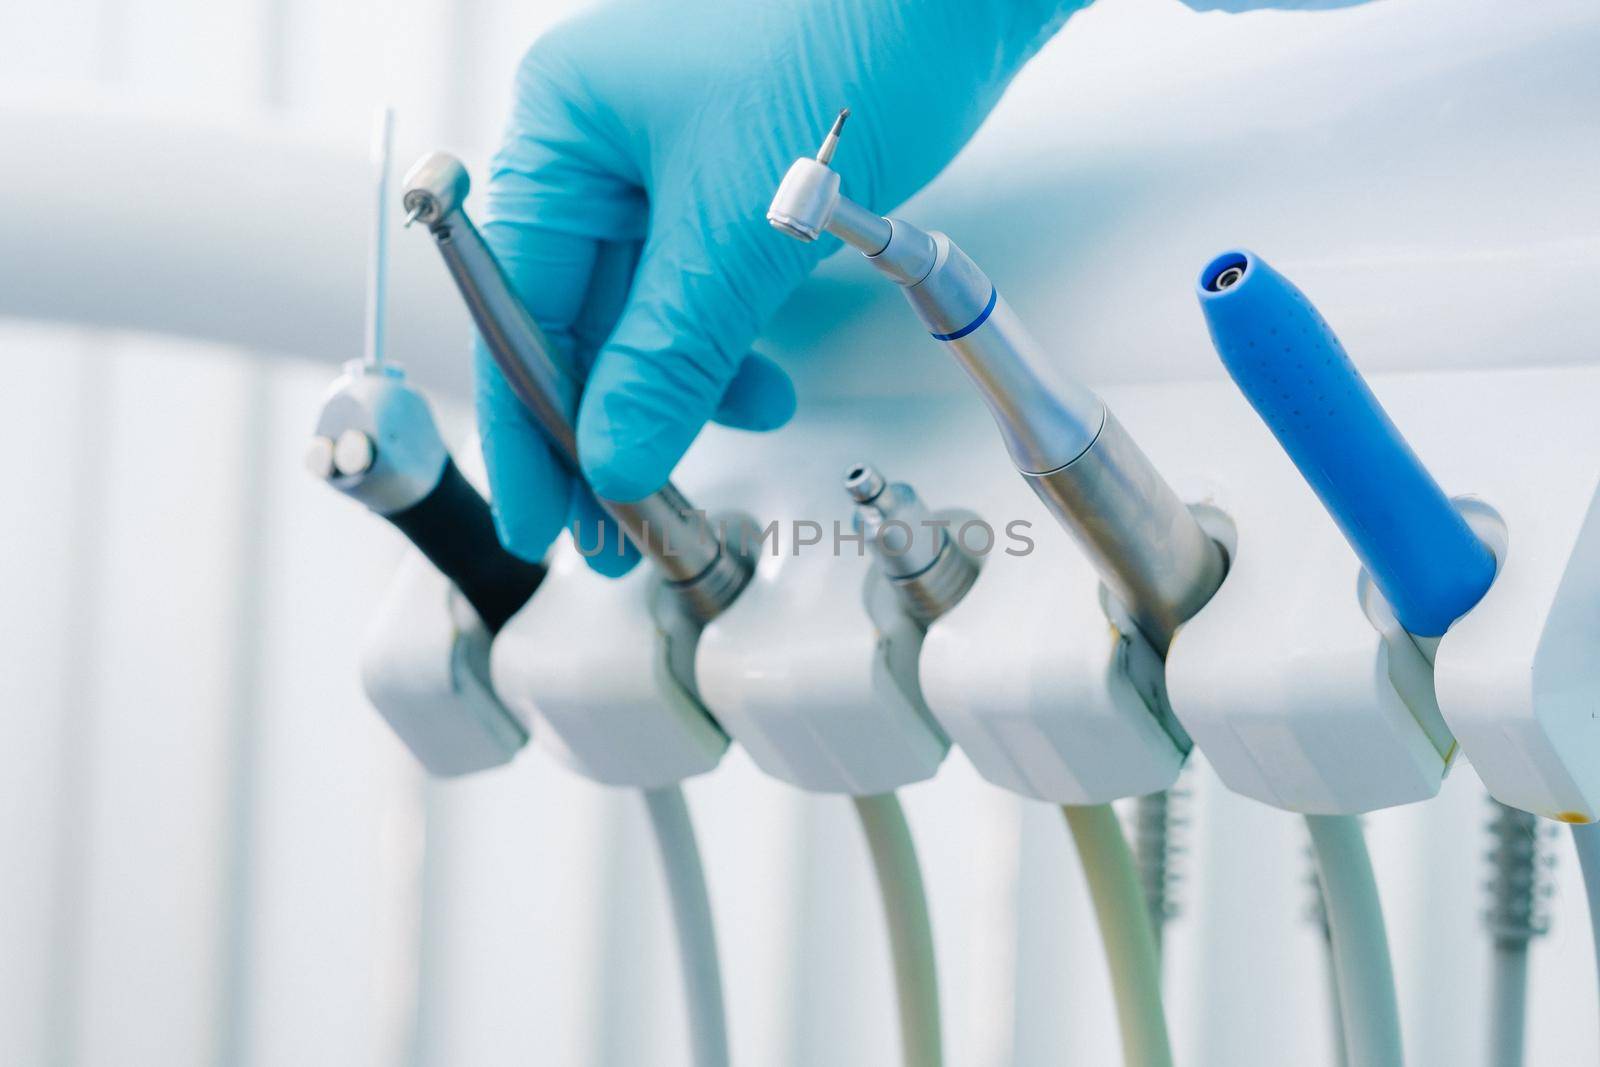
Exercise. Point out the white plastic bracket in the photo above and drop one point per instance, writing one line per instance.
(1043, 692)
(1518, 677)
(425, 667)
(1296, 681)
(607, 665)
(814, 670)
(1301, 691)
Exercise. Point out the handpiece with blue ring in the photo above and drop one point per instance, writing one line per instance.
(1419, 551)
(1148, 548)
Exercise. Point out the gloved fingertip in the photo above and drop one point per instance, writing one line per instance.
(526, 518)
(521, 537)
(760, 397)
(623, 474)
(630, 436)
(598, 538)
(528, 488)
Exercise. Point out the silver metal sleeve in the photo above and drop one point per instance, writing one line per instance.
(1147, 546)
(1047, 420)
(664, 526)
(864, 230)
(533, 367)
(934, 591)
(667, 528)
(906, 256)
(1045, 424)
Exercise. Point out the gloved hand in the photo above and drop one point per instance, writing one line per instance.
(628, 207)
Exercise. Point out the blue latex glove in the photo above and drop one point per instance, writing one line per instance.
(628, 207)
(661, 131)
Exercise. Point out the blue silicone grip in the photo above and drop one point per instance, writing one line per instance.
(1418, 549)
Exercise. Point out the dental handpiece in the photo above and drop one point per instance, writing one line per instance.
(927, 570)
(705, 573)
(1148, 548)
(376, 441)
(1420, 552)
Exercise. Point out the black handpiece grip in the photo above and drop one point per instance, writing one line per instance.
(452, 526)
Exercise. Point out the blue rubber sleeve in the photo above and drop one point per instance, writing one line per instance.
(1418, 549)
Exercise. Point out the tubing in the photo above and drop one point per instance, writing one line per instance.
(691, 912)
(905, 910)
(1508, 1003)
(1329, 973)
(1368, 1006)
(1152, 856)
(1341, 1058)
(1124, 921)
(1513, 919)
(1586, 839)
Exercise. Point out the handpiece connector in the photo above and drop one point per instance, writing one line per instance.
(927, 570)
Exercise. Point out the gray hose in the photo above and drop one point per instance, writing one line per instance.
(1319, 915)
(1586, 839)
(1367, 1001)
(1508, 1003)
(691, 912)
(1513, 919)
(1156, 820)
(1341, 1056)
(1130, 944)
(905, 911)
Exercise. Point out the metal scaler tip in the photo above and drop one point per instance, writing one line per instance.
(831, 142)
(413, 216)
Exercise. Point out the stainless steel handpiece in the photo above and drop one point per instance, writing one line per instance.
(706, 574)
(1150, 551)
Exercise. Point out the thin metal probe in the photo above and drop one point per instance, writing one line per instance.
(378, 250)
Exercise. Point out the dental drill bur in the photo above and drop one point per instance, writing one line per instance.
(706, 574)
(1148, 548)
(927, 570)
(376, 442)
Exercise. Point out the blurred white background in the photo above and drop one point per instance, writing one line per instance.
(213, 852)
